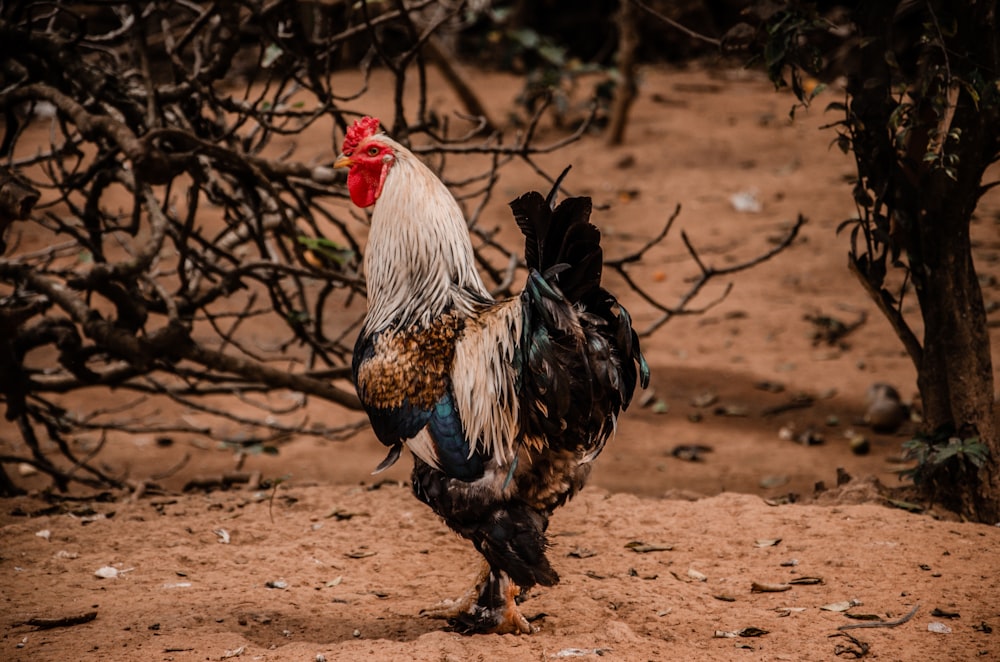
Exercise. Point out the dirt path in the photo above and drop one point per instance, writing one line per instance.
(353, 568)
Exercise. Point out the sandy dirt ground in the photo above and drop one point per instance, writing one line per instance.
(661, 557)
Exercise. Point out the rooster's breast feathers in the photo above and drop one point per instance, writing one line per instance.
(448, 391)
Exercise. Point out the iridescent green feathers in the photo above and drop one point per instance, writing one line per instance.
(580, 356)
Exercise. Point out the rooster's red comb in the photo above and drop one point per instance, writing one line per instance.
(361, 129)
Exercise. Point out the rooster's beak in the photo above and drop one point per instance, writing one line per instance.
(343, 162)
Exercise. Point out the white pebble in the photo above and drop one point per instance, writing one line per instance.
(106, 572)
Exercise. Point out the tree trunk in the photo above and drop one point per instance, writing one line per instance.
(627, 88)
(930, 201)
(955, 376)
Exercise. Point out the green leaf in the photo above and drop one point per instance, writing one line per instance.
(328, 249)
(527, 38)
(897, 116)
(972, 92)
(553, 54)
(271, 55)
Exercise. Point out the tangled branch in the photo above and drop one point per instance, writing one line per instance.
(176, 246)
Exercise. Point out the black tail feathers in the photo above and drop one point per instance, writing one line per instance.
(565, 248)
(559, 236)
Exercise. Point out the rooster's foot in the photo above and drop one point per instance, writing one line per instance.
(495, 611)
(452, 609)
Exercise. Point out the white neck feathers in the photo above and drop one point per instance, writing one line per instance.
(419, 262)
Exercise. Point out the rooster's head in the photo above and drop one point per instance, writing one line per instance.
(369, 155)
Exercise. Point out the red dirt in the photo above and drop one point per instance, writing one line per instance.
(361, 563)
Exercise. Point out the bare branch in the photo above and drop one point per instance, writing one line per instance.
(674, 24)
(707, 273)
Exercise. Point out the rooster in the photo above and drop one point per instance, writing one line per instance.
(504, 404)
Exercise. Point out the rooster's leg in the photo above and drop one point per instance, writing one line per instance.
(495, 609)
(451, 609)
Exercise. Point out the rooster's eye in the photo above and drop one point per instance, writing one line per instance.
(373, 151)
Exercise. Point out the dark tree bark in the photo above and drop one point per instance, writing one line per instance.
(921, 157)
(626, 90)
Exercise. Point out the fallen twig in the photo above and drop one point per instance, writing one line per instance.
(882, 624)
(798, 402)
(62, 621)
